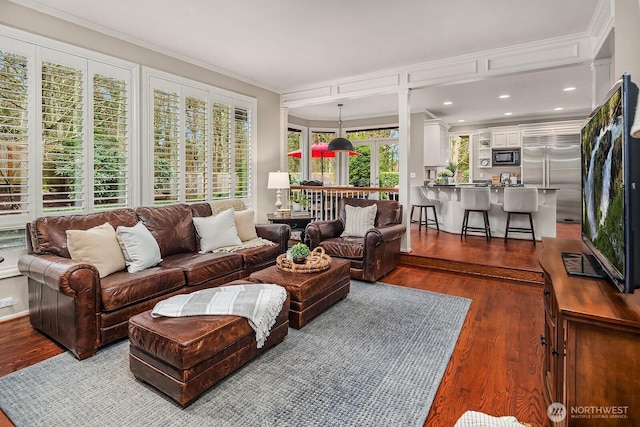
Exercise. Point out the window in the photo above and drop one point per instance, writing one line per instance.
(110, 142)
(62, 138)
(378, 155)
(202, 141)
(166, 129)
(459, 157)
(14, 144)
(294, 160)
(323, 162)
(14, 149)
(65, 132)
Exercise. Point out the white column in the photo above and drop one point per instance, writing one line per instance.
(404, 147)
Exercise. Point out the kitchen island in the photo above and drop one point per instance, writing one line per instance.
(450, 212)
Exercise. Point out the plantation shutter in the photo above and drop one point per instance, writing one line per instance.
(202, 141)
(242, 152)
(14, 144)
(166, 140)
(195, 145)
(110, 142)
(221, 152)
(62, 131)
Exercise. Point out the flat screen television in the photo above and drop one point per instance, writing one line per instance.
(610, 193)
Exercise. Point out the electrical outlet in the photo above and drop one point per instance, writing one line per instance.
(6, 302)
(412, 175)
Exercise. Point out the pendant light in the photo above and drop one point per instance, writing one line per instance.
(340, 143)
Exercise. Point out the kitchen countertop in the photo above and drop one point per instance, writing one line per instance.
(497, 187)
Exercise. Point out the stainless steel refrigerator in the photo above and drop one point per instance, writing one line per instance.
(554, 161)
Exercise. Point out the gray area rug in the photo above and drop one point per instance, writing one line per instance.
(375, 358)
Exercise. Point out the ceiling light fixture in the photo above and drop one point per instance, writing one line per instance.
(340, 143)
(505, 96)
(461, 121)
(447, 103)
(558, 109)
(508, 114)
(569, 89)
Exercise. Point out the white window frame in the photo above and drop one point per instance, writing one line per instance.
(36, 48)
(153, 79)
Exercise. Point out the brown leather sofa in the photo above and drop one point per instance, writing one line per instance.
(70, 303)
(371, 256)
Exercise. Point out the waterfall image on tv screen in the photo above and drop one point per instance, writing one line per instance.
(602, 186)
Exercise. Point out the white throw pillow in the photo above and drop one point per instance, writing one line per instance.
(97, 246)
(139, 247)
(358, 220)
(244, 224)
(217, 231)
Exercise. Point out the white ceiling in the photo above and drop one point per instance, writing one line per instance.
(284, 45)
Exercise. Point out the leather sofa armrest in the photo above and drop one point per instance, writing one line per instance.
(390, 232)
(60, 273)
(67, 313)
(277, 233)
(318, 231)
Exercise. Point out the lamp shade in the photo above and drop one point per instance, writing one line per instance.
(340, 144)
(278, 180)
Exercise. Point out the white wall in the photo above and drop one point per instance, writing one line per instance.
(627, 39)
(268, 112)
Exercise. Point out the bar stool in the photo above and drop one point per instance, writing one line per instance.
(475, 199)
(420, 200)
(520, 201)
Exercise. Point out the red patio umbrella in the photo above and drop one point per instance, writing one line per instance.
(319, 151)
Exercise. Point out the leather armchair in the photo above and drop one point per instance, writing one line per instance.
(371, 256)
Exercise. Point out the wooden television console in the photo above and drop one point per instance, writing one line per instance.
(591, 344)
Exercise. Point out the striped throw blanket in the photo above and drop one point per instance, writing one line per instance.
(259, 303)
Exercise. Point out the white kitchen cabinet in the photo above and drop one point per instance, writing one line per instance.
(505, 138)
(436, 143)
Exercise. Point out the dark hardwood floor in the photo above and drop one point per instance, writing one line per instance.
(496, 365)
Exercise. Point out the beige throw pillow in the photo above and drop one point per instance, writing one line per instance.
(358, 220)
(217, 231)
(244, 224)
(97, 246)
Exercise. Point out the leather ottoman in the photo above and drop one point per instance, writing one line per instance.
(310, 293)
(184, 356)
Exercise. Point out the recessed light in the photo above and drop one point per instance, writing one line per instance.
(460, 121)
(447, 103)
(508, 114)
(558, 109)
(569, 89)
(505, 96)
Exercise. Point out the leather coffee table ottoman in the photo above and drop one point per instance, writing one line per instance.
(311, 293)
(184, 356)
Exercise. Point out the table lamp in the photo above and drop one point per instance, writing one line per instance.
(278, 181)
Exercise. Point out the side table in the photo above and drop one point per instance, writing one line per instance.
(296, 222)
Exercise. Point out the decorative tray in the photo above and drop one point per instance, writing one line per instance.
(316, 261)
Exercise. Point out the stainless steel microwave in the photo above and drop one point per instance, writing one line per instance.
(506, 157)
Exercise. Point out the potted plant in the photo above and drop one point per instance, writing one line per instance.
(454, 170)
(299, 200)
(443, 176)
(299, 253)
